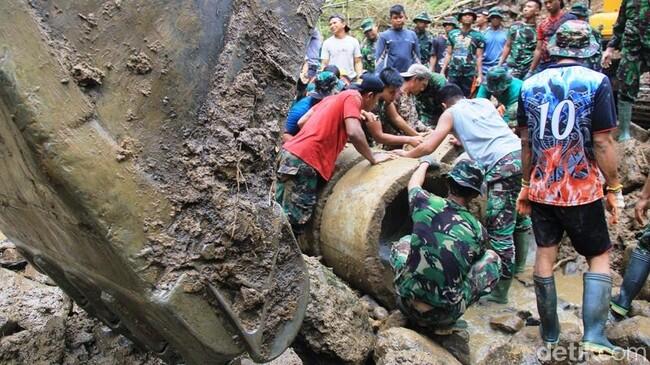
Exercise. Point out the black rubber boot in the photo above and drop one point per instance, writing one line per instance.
(636, 274)
(595, 307)
(547, 308)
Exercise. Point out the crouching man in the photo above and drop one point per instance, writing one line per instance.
(444, 266)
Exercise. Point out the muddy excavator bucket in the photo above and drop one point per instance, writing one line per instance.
(137, 153)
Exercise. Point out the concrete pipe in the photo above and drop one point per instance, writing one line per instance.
(362, 211)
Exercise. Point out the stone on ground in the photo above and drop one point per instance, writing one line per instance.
(400, 345)
(632, 332)
(289, 357)
(508, 323)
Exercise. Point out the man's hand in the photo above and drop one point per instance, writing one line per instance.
(611, 204)
(523, 204)
(400, 153)
(415, 140)
(454, 141)
(640, 210)
(367, 116)
(607, 57)
(380, 157)
(429, 159)
(479, 80)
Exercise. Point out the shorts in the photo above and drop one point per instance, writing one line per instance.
(584, 224)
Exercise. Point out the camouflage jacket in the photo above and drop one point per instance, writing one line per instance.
(523, 38)
(463, 52)
(446, 241)
(426, 46)
(368, 54)
(426, 104)
(632, 25)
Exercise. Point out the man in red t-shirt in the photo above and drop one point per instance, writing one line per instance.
(545, 30)
(311, 155)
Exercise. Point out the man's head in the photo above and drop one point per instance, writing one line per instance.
(553, 6)
(416, 78)
(337, 24)
(580, 10)
(397, 16)
(467, 17)
(495, 17)
(326, 84)
(369, 29)
(449, 95)
(450, 23)
(392, 83)
(498, 80)
(531, 9)
(482, 18)
(574, 39)
(421, 21)
(371, 88)
(333, 69)
(465, 180)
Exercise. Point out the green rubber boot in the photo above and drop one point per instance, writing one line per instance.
(595, 307)
(500, 292)
(522, 243)
(546, 297)
(624, 120)
(636, 274)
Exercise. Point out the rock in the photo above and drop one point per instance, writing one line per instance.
(11, 259)
(336, 323)
(631, 333)
(633, 164)
(508, 323)
(289, 357)
(400, 345)
(8, 326)
(368, 302)
(458, 344)
(139, 63)
(39, 345)
(86, 75)
(629, 358)
(395, 319)
(640, 308)
(32, 274)
(379, 313)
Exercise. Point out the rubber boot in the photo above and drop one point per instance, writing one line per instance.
(624, 120)
(547, 309)
(636, 274)
(595, 307)
(522, 242)
(500, 292)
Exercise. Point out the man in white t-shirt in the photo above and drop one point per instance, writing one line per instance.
(341, 49)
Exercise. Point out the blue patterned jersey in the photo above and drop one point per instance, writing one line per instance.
(563, 107)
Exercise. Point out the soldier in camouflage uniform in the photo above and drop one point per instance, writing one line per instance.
(505, 89)
(444, 266)
(301, 182)
(632, 37)
(520, 47)
(464, 54)
(638, 266)
(368, 46)
(581, 11)
(425, 38)
(426, 103)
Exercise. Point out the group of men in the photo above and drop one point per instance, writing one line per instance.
(546, 159)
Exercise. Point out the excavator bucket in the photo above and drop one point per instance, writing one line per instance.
(137, 152)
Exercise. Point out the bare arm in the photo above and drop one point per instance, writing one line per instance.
(432, 62)
(433, 140)
(358, 66)
(398, 122)
(523, 204)
(445, 63)
(417, 179)
(479, 65)
(506, 51)
(377, 133)
(358, 140)
(537, 56)
(641, 208)
(304, 118)
(605, 151)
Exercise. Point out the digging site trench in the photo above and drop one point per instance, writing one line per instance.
(139, 145)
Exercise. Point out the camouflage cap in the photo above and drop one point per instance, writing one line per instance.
(367, 24)
(467, 173)
(451, 21)
(498, 79)
(574, 39)
(495, 12)
(467, 11)
(580, 9)
(423, 17)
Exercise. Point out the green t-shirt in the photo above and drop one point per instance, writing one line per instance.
(509, 99)
(463, 52)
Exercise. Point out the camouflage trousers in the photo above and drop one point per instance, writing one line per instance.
(296, 189)
(502, 220)
(634, 62)
(644, 239)
(480, 280)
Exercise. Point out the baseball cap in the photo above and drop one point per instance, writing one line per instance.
(423, 17)
(416, 69)
(369, 83)
(465, 12)
(367, 24)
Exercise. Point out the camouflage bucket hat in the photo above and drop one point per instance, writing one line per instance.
(423, 17)
(325, 84)
(468, 174)
(495, 12)
(367, 24)
(580, 9)
(451, 21)
(574, 39)
(467, 11)
(498, 79)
